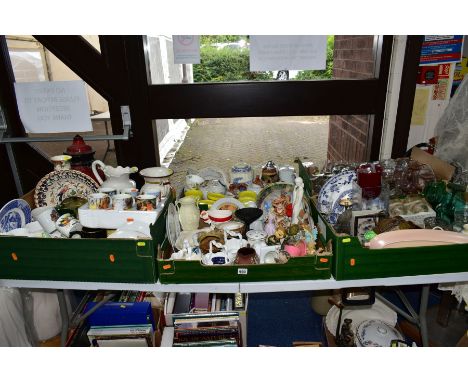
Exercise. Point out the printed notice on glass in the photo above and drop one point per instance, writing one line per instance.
(288, 53)
(441, 49)
(186, 49)
(53, 107)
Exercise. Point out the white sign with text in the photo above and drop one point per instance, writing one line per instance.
(288, 53)
(53, 107)
(186, 49)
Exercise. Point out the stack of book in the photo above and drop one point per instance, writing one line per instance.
(205, 319)
(209, 329)
(125, 318)
(121, 335)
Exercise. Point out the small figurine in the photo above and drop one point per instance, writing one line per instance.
(297, 201)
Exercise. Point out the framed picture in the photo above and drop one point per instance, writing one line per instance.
(363, 221)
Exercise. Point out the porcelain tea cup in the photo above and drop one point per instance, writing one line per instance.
(61, 162)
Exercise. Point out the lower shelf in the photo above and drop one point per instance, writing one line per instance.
(252, 287)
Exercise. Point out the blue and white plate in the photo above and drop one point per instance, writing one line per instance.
(15, 214)
(336, 188)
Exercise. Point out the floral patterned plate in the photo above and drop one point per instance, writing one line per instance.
(272, 192)
(56, 186)
(335, 189)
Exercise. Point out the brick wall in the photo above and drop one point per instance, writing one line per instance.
(353, 58)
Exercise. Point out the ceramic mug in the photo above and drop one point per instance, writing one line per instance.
(69, 226)
(99, 201)
(111, 191)
(146, 202)
(122, 202)
(46, 216)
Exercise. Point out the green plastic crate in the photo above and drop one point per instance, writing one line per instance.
(183, 271)
(98, 260)
(352, 261)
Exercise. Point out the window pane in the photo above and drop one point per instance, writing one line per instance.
(223, 142)
(27, 66)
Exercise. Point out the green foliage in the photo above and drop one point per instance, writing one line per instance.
(320, 74)
(225, 65)
(212, 39)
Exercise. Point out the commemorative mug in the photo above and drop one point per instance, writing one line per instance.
(99, 201)
(122, 202)
(146, 202)
(69, 226)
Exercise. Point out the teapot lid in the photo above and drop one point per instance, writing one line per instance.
(270, 165)
(79, 147)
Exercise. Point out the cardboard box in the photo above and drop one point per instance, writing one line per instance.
(442, 169)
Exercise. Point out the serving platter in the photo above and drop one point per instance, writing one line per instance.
(173, 228)
(15, 214)
(336, 188)
(56, 186)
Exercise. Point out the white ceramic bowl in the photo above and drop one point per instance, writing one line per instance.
(220, 216)
(156, 172)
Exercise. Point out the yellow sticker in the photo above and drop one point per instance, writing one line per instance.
(141, 243)
(347, 240)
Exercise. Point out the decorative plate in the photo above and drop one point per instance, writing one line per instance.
(271, 192)
(227, 204)
(335, 189)
(56, 186)
(172, 225)
(376, 333)
(15, 214)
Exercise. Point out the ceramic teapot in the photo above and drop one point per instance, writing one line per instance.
(116, 177)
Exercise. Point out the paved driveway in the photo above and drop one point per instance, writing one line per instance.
(222, 142)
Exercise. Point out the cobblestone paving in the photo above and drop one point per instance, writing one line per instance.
(222, 142)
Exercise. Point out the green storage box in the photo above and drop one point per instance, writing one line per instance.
(98, 260)
(297, 268)
(183, 271)
(352, 261)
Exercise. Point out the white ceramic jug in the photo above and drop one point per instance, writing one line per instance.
(116, 177)
(189, 214)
